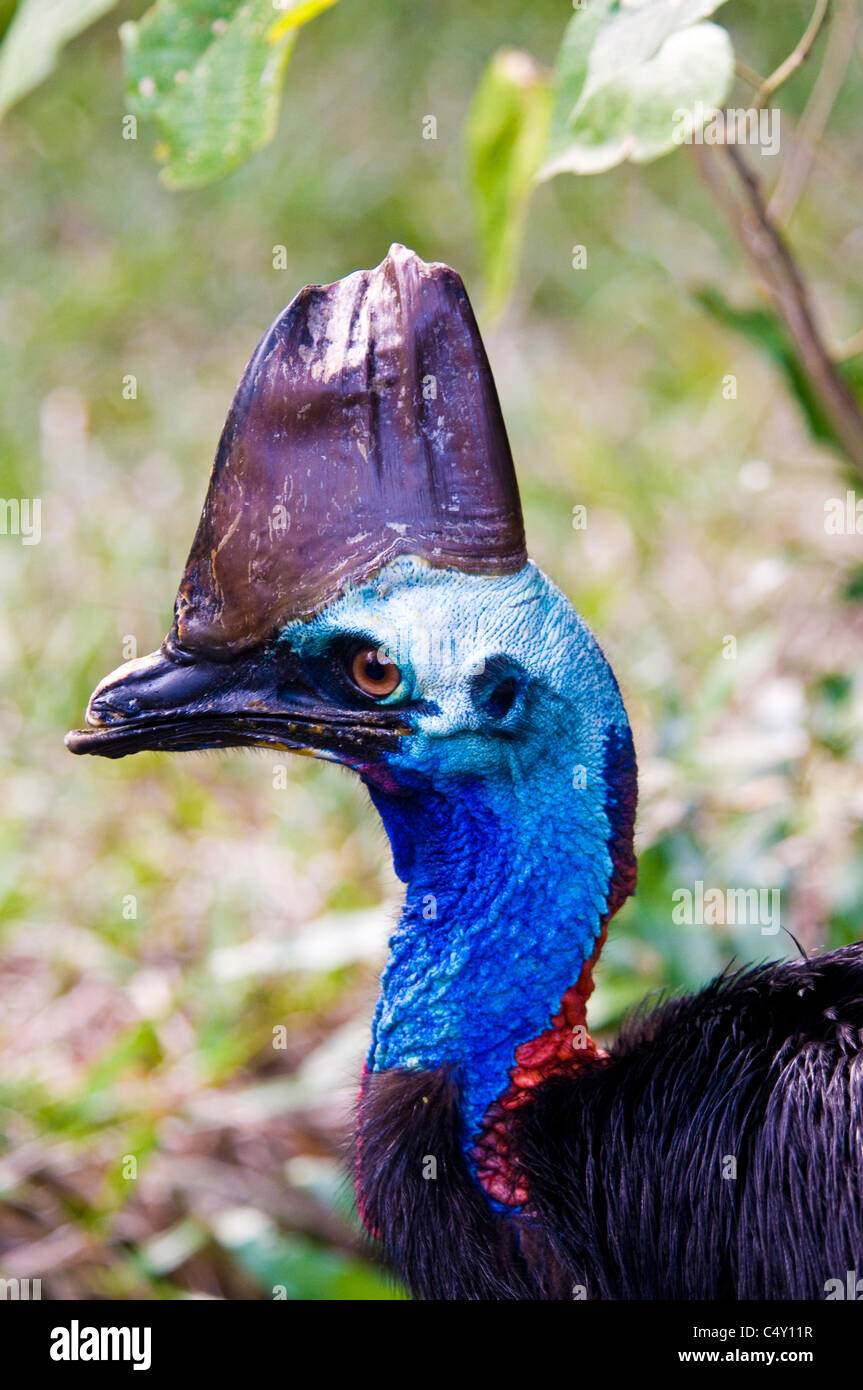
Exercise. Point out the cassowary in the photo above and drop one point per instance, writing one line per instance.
(358, 589)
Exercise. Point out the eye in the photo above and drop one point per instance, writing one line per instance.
(373, 672)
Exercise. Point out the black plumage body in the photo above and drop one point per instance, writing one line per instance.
(716, 1153)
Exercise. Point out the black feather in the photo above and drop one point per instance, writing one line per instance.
(625, 1164)
(439, 1233)
(760, 1075)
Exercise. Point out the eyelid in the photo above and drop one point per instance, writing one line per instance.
(401, 692)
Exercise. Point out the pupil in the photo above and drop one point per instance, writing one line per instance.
(375, 670)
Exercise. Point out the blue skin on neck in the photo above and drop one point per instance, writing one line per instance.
(498, 808)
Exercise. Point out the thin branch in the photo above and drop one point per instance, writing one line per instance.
(796, 170)
(779, 273)
(796, 57)
(748, 74)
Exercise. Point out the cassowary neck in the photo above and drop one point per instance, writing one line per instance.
(508, 889)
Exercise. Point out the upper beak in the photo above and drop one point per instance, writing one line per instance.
(174, 699)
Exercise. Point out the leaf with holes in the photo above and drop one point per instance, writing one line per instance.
(210, 72)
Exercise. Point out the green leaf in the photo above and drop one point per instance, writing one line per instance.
(7, 14)
(624, 75)
(763, 328)
(506, 135)
(211, 73)
(298, 1267)
(33, 40)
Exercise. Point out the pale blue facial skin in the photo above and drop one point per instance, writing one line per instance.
(498, 817)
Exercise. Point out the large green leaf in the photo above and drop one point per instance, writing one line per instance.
(506, 136)
(624, 73)
(211, 72)
(34, 38)
(763, 328)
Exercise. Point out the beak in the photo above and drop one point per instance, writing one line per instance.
(177, 700)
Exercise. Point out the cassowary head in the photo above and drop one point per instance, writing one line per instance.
(358, 590)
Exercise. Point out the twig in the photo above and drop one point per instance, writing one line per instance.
(778, 271)
(748, 74)
(798, 55)
(813, 122)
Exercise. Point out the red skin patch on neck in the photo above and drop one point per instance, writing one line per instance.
(559, 1051)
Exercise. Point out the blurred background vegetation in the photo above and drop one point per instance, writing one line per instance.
(163, 915)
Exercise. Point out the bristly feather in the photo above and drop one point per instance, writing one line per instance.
(438, 1233)
(626, 1164)
(625, 1160)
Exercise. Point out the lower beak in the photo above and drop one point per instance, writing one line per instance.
(181, 701)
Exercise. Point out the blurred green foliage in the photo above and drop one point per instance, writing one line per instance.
(211, 73)
(507, 130)
(40, 30)
(162, 916)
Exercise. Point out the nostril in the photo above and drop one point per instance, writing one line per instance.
(496, 688)
(108, 709)
(502, 698)
(126, 692)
